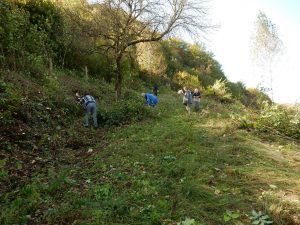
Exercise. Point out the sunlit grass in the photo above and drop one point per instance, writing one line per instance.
(165, 169)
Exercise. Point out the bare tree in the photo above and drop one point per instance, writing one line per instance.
(124, 23)
(266, 45)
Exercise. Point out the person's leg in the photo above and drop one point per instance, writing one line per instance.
(188, 109)
(197, 106)
(89, 111)
(94, 113)
(86, 117)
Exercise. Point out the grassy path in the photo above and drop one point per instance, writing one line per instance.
(199, 167)
(167, 170)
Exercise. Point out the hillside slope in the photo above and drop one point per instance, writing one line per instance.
(163, 170)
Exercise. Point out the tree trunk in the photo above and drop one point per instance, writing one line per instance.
(118, 85)
(271, 82)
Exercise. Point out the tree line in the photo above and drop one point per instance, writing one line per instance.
(115, 40)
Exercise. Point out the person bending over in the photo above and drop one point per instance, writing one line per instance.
(151, 99)
(89, 103)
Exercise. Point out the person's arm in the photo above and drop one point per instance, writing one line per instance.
(79, 99)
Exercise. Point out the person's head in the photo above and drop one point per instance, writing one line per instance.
(185, 88)
(87, 93)
(196, 90)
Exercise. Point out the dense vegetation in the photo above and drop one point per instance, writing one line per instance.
(143, 166)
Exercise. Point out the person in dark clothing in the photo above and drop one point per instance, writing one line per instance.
(155, 90)
(89, 103)
(196, 99)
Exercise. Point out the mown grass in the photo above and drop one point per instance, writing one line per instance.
(162, 171)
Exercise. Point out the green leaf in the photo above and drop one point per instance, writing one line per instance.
(255, 222)
(227, 218)
(254, 213)
(188, 221)
(265, 217)
(235, 215)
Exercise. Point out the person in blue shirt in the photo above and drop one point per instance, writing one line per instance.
(151, 99)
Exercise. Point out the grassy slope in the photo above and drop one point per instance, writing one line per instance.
(197, 167)
(162, 171)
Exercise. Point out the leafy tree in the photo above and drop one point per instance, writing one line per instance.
(13, 23)
(30, 33)
(266, 45)
(183, 78)
(48, 19)
(151, 58)
(126, 23)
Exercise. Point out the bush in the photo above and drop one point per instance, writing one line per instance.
(9, 102)
(123, 112)
(238, 90)
(255, 98)
(278, 118)
(29, 33)
(220, 91)
(273, 118)
(184, 78)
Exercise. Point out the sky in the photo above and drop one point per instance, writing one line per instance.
(231, 43)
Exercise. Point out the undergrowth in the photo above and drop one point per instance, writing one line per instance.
(169, 169)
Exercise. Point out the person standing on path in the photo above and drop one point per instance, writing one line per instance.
(196, 99)
(89, 103)
(187, 98)
(155, 90)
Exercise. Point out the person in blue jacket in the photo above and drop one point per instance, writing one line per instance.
(151, 99)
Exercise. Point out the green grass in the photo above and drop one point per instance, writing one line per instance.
(162, 171)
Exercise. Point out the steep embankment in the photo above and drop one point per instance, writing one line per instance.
(163, 171)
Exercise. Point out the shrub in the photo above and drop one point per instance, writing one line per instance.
(273, 118)
(9, 102)
(123, 111)
(184, 78)
(220, 91)
(281, 119)
(239, 92)
(254, 98)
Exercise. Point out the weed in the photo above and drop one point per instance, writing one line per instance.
(260, 218)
